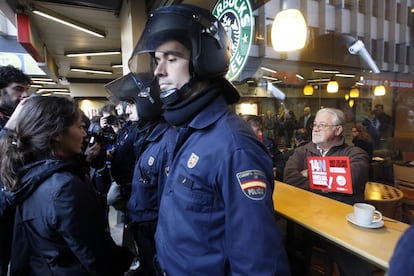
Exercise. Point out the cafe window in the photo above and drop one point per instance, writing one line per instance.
(313, 33)
(399, 13)
(269, 35)
(386, 51)
(374, 49)
(410, 18)
(362, 6)
(343, 4)
(409, 56)
(258, 32)
(387, 10)
(400, 53)
(375, 8)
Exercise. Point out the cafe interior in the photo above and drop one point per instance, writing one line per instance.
(286, 55)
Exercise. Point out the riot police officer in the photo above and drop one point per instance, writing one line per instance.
(153, 149)
(218, 194)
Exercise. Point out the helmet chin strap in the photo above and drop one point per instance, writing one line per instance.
(173, 96)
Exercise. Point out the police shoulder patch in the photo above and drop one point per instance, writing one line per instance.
(253, 184)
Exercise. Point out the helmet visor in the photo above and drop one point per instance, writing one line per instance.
(161, 27)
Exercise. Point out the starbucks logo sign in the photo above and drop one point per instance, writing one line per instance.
(237, 19)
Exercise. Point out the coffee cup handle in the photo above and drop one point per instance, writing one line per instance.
(379, 218)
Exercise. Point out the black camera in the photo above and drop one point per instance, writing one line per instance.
(97, 134)
(112, 120)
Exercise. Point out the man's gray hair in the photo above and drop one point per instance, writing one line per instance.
(338, 117)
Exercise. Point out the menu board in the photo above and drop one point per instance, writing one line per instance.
(330, 173)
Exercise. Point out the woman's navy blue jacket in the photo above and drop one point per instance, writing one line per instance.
(62, 220)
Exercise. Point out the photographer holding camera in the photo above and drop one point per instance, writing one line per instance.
(103, 132)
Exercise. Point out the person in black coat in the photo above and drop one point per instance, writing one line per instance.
(14, 86)
(306, 121)
(60, 223)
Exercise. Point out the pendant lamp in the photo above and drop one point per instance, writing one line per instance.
(379, 90)
(289, 31)
(308, 90)
(354, 93)
(332, 87)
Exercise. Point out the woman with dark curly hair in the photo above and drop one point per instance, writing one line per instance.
(60, 222)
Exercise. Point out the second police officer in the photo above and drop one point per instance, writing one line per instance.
(153, 148)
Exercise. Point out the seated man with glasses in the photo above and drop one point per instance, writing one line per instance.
(328, 140)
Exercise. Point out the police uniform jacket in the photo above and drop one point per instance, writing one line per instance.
(402, 260)
(216, 215)
(359, 162)
(63, 221)
(150, 173)
(125, 155)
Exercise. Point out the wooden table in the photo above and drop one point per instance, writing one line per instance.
(326, 217)
(387, 199)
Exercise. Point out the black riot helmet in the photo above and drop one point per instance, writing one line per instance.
(142, 90)
(197, 29)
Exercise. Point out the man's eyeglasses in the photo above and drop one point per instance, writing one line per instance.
(322, 126)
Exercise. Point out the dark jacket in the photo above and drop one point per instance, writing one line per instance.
(359, 170)
(309, 123)
(125, 155)
(365, 145)
(402, 260)
(218, 195)
(63, 221)
(6, 220)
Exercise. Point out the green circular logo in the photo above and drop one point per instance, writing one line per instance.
(237, 19)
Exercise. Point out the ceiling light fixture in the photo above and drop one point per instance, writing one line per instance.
(61, 93)
(45, 90)
(93, 53)
(49, 14)
(299, 76)
(92, 71)
(41, 79)
(326, 71)
(271, 78)
(268, 70)
(345, 75)
(319, 80)
(116, 65)
(43, 82)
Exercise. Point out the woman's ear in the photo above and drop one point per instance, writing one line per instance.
(57, 137)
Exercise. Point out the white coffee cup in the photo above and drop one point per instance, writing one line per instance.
(365, 214)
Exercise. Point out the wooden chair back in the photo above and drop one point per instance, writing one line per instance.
(404, 180)
(408, 156)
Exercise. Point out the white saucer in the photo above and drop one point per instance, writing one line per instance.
(350, 218)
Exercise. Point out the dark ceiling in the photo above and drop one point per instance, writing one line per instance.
(58, 38)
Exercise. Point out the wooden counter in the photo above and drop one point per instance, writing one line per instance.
(326, 217)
